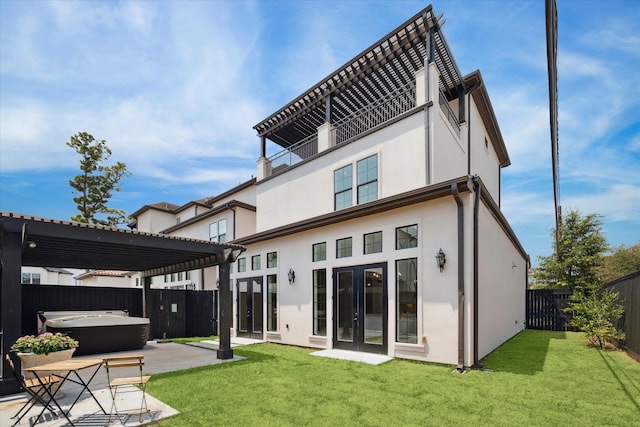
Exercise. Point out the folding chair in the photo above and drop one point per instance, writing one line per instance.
(140, 380)
(37, 390)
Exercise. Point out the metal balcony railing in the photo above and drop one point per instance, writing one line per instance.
(448, 112)
(297, 152)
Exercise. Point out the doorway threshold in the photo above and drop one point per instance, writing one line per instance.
(353, 356)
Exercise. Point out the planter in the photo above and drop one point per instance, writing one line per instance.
(30, 360)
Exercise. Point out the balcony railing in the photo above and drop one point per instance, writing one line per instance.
(378, 112)
(382, 110)
(448, 112)
(297, 152)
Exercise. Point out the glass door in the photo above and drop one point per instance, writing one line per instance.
(360, 307)
(249, 306)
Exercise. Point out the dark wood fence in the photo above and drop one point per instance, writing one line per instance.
(545, 309)
(172, 313)
(628, 288)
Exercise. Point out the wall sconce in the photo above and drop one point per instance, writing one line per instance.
(31, 244)
(441, 259)
(292, 276)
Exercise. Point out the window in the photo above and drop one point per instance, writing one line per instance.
(166, 278)
(173, 277)
(320, 302)
(180, 276)
(218, 231)
(242, 265)
(320, 251)
(343, 247)
(343, 187)
(407, 237)
(368, 179)
(255, 262)
(272, 302)
(30, 278)
(407, 297)
(272, 260)
(373, 242)
(188, 275)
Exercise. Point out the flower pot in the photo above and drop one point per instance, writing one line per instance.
(30, 360)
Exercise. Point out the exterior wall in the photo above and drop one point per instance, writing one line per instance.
(50, 277)
(108, 281)
(190, 280)
(437, 292)
(307, 190)
(154, 221)
(484, 160)
(502, 277)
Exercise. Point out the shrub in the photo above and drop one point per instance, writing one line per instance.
(44, 343)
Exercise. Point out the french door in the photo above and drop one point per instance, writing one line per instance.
(249, 306)
(360, 308)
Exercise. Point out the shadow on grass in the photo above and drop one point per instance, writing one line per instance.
(630, 384)
(523, 354)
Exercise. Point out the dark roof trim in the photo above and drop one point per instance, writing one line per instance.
(215, 211)
(162, 207)
(481, 97)
(423, 194)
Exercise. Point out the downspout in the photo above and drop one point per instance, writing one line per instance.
(456, 196)
(476, 209)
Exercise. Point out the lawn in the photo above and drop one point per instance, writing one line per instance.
(536, 378)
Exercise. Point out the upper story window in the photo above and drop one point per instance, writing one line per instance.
(255, 262)
(272, 260)
(344, 247)
(368, 179)
(407, 237)
(373, 242)
(218, 231)
(343, 187)
(320, 251)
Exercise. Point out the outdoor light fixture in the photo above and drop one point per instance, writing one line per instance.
(441, 259)
(292, 276)
(31, 244)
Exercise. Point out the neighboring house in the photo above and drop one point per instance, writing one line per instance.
(109, 278)
(377, 228)
(46, 276)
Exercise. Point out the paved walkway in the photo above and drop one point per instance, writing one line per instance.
(159, 357)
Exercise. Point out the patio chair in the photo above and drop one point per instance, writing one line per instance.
(140, 380)
(34, 388)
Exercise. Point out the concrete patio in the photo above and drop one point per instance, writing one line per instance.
(159, 357)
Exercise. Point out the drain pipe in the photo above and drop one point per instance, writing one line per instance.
(476, 209)
(456, 196)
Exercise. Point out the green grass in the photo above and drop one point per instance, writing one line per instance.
(194, 339)
(538, 378)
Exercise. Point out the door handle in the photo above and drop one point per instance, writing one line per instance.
(355, 317)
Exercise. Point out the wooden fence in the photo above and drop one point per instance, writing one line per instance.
(172, 313)
(545, 310)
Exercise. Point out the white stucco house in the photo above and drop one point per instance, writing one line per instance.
(377, 226)
(46, 276)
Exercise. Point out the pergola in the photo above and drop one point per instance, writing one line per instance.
(40, 242)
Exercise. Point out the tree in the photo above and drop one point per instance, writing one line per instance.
(578, 254)
(595, 312)
(94, 186)
(623, 260)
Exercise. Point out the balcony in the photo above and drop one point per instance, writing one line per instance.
(359, 122)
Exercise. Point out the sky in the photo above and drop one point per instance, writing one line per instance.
(175, 89)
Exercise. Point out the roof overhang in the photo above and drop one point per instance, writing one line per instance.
(48, 242)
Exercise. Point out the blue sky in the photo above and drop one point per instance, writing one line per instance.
(176, 87)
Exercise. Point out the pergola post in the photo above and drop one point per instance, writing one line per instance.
(226, 307)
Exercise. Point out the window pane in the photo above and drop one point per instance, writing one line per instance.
(343, 199)
(272, 259)
(320, 302)
(213, 232)
(272, 303)
(368, 179)
(255, 262)
(342, 187)
(367, 192)
(407, 237)
(343, 248)
(26, 278)
(407, 297)
(373, 242)
(35, 278)
(320, 251)
(242, 265)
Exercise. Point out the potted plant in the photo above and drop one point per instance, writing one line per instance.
(42, 349)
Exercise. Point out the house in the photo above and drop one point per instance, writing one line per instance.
(46, 276)
(377, 226)
(109, 278)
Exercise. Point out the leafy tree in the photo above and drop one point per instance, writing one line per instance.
(623, 260)
(94, 186)
(579, 251)
(595, 312)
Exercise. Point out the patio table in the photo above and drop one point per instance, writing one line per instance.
(68, 370)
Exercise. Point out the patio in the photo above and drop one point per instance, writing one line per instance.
(159, 358)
